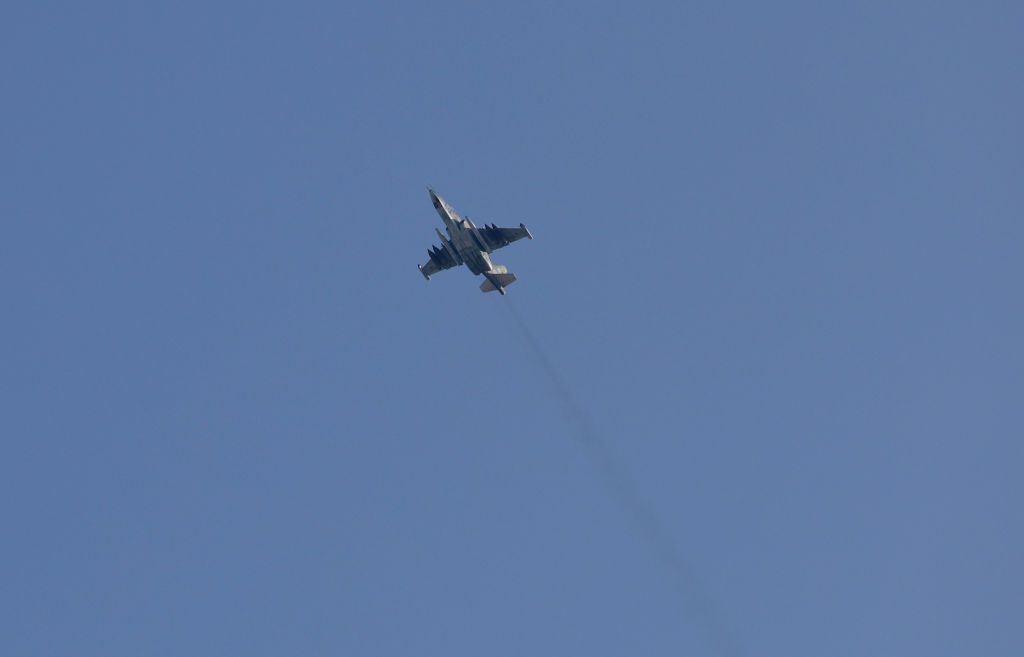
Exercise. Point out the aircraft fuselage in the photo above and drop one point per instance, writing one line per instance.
(463, 237)
(467, 244)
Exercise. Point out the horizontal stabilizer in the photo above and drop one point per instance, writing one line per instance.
(503, 280)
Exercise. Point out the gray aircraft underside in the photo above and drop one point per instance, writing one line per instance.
(470, 245)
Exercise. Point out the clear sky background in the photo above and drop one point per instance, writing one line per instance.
(777, 267)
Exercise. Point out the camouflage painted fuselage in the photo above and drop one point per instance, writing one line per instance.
(467, 244)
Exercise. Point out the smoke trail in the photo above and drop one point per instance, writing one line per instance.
(695, 601)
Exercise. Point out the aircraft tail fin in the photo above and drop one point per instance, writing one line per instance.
(497, 281)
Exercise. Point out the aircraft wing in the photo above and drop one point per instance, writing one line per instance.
(439, 260)
(498, 237)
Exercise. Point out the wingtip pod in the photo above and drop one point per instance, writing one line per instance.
(420, 267)
(529, 235)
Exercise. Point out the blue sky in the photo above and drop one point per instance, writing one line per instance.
(776, 270)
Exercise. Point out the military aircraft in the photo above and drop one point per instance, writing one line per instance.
(470, 245)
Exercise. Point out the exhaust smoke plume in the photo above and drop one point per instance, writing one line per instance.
(644, 521)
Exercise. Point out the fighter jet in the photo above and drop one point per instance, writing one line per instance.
(470, 245)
